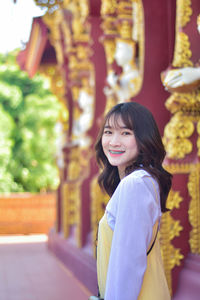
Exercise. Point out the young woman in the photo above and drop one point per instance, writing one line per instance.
(130, 152)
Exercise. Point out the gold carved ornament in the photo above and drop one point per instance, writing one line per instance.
(77, 7)
(80, 12)
(109, 48)
(78, 166)
(123, 21)
(130, 29)
(78, 170)
(194, 208)
(182, 58)
(176, 135)
(77, 39)
(132, 32)
(178, 168)
(198, 140)
(50, 5)
(193, 170)
(170, 228)
(108, 16)
(184, 12)
(138, 31)
(77, 48)
(53, 22)
(171, 255)
(198, 20)
(70, 191)
(58, 87)
(97, 208)
(188, 102)
(108, 7)
(83, 92)
(70, 207)
(108, 25)
(67, 36)
(194, 216)
(76, 32)
(182, 53)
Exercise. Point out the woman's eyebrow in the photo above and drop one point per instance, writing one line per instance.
(120, 127)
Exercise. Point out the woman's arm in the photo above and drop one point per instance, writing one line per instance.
(137, 212)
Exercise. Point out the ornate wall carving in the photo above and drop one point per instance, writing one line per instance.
(194, 208)
(69, 34)
(123, 40)
(123, 32)
(181, 139)
(99, 201)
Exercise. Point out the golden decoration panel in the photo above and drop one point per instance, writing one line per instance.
(184, 12)
(53, 22)
(171, 228)
(70, 208)
(194, 208)
(70, 35)
(98, 204)
(185, 102)
(171, 255)
(176, 136)
(123, 24)
(182, 53)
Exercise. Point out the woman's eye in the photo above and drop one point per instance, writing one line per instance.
(107, 132)
(126, 133)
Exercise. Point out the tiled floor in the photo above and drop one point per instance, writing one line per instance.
(28, 271)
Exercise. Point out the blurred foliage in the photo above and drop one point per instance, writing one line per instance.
(28, 115)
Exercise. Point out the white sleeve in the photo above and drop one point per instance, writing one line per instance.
(136, 212)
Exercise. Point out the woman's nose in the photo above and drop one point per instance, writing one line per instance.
(114, 141)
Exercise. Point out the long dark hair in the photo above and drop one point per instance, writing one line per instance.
(151, 150)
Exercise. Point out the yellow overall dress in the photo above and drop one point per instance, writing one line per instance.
(154, 286)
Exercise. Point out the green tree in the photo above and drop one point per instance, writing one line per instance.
(28, 115)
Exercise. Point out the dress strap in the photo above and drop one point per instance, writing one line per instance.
(153, 241)
(158, 221)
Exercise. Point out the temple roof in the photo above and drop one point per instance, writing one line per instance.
(38, 50)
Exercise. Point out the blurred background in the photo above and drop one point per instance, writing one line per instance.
(63, 65)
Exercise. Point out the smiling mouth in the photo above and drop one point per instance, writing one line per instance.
(116, 152)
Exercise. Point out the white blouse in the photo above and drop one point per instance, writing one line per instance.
(131, 213)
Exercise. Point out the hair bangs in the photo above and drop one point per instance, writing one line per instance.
(115, 115)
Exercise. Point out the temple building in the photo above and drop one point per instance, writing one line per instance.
(100, 53)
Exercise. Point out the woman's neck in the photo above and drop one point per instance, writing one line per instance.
(121, 173)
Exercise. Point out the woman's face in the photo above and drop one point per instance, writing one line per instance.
(119, 144)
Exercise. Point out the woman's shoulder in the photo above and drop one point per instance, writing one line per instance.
(139, 178)
(136, 175)
(138, 184)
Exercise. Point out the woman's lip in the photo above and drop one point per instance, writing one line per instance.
(116, 152)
